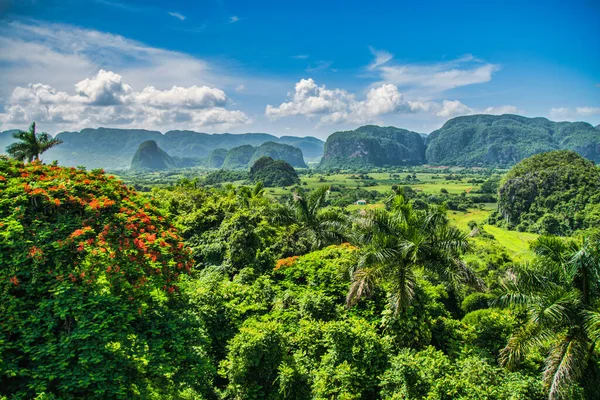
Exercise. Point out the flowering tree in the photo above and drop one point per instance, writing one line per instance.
(88, 289)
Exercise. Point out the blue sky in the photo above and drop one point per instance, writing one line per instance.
(294, 67)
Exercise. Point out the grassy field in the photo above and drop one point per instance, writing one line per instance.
(516, 243)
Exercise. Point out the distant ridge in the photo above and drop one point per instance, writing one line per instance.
(504, 140)
(114, 148)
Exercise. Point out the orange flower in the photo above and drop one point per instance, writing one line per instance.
(285, 262)
(2, 179)
(14, 281)
(57, 202)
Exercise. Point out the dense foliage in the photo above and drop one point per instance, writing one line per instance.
(273, 172)
(286, 297)
(372, 146)
(552, 193)
(90, 301)
(504, 140)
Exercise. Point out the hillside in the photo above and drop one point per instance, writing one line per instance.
(216, 158)
(150, 157)
(504, 140)
(113, 148)
(550, 193)
(277, 151)
(238, 157)
(245, 156)
(273, 172)
(373, 146)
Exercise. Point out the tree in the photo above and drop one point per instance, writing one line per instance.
(89, 291)
(395, 243)
(31, 144)
(559, 290)
(315, 223)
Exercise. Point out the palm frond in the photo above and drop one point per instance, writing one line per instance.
(364, 280)
(564, 365)
(522, 342)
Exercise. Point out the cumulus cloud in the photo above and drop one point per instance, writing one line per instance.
(335, 106)
(572, 114)
(58, 55)
(105, 99)
(452, 108)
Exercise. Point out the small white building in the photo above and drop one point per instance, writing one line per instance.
(361, 202)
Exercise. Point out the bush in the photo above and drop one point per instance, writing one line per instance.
(477, 301)
(89, 282)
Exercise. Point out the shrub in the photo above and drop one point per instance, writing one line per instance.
(89, 284)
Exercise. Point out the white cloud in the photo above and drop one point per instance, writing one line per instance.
(300, 57)
(452, 108)
(573, 114)
(59, 55)
(432, 78)
(105, 100)
(233, 19)
(177, 15)
(240, 88)
(335, 106)
(506, 109)
(104, 89)
(381, 57)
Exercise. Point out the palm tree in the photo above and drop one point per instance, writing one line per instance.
(246, 196)
(31, 144)
(560, 291)
(319, 225)
(395, 243)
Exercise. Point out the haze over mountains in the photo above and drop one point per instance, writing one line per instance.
(476, 140)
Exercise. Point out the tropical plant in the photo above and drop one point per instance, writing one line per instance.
(318, 225)
(560, 290)
(31, 144)
(396, 243)
(89, 290)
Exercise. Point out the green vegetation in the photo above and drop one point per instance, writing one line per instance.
(372, 146)
(238, 157)
(550, 193)
(150, 157)
(206, 287)
(504, 140)
(273, 172)
(31, 144)
(89, 291)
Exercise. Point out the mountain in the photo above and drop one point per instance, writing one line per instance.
(556, 192)
(150, 157)
(238, 157)
(113, 148)
(277, 151)
(373, 146)
(504, 140)
(6, 138)
(273, 172)
(312, 148)
(216, 158)
(244, 156)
